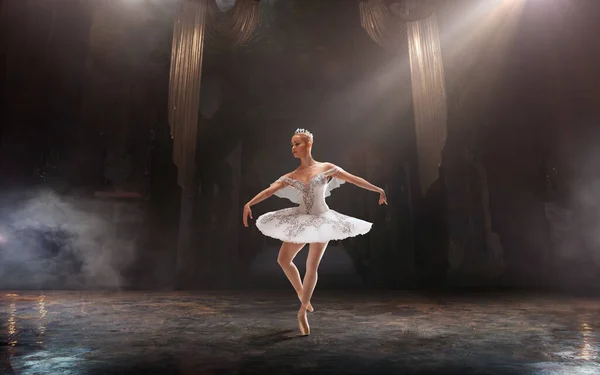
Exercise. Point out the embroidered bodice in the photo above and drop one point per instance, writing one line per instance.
(310, 196)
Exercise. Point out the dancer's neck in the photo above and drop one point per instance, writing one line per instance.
(307, 162)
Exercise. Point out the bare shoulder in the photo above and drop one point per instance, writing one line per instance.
(288, 175)
(284, 177)
(332, 170)
(327, 165)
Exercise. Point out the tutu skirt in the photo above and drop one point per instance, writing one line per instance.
(292, 225)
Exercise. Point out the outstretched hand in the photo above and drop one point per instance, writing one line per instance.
(382, 198)
(247, 213)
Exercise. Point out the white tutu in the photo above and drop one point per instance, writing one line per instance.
(312, 221)
(290, 225)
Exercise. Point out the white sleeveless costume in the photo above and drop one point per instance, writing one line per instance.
(311, 221)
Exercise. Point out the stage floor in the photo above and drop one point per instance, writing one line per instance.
(257, 333)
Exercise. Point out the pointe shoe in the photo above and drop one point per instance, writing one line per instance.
(309, 307)
(303, 323)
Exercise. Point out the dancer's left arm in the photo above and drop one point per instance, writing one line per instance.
(358, 181)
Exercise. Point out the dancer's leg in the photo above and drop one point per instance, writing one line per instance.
(315, 254)
(287, 253)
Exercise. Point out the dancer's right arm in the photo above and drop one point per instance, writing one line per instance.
(268, 192)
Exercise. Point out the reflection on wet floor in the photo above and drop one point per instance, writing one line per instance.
(188, 333)
(12, 320)
(42, 320)
(588, 349)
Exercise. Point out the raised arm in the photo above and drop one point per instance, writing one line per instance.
(267, 193)
(358, 181)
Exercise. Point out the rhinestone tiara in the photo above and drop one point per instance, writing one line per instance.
(305, 132)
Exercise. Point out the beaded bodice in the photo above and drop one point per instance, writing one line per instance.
(310, 195)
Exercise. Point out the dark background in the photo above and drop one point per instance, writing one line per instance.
(84, 110)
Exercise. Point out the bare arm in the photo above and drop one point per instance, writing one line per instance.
(268, 192)
(265, 194)
(360, 182)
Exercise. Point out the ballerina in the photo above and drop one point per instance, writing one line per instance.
(312, 221)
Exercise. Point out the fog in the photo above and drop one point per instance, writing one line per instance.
(51, 241)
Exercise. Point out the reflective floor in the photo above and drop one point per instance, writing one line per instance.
(256, 333)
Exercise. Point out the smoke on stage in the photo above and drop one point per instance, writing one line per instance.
(52, 241)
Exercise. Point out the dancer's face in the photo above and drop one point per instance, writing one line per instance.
(300, 146)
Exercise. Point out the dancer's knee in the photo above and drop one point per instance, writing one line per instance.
(284, 261)
(312, 265)
(310, 274)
